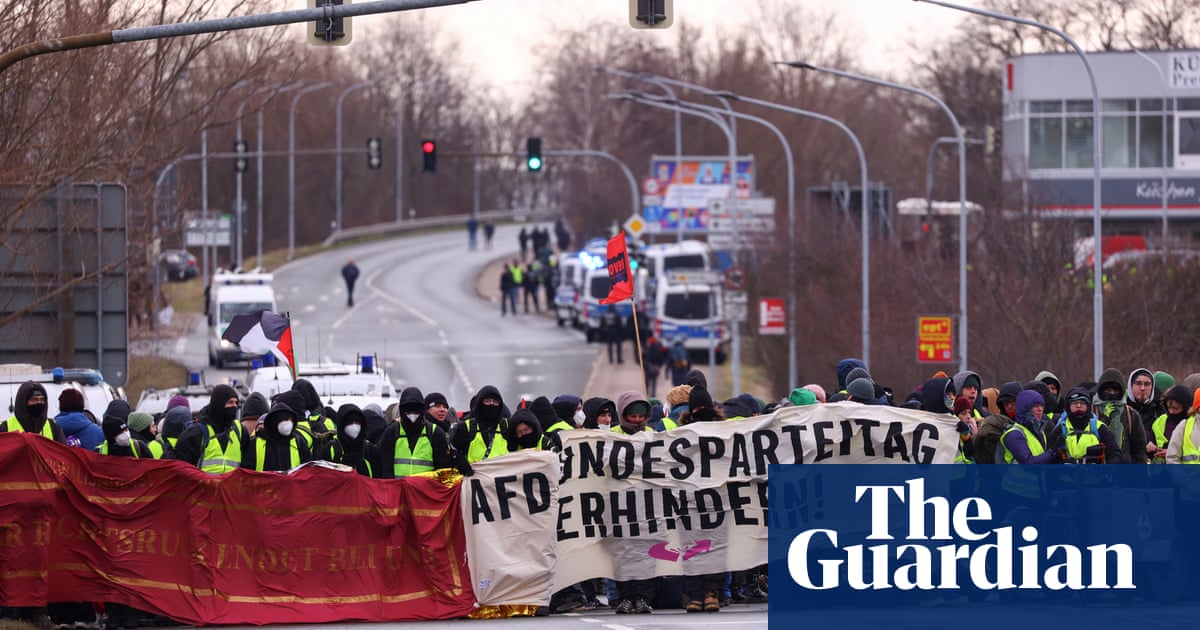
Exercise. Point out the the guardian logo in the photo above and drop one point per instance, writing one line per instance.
(975, 554)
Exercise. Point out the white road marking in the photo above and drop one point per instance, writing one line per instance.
(309, 308)
(323, 298)
(462, 372)
(349, 311)
(529, 378)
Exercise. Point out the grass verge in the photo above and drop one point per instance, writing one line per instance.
(157, 372)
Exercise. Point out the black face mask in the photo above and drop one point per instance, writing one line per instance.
(226, 414)
(36, 411)
(528, 441)
(489, 412)
(1110, 396)
(1082, 415)
(704, 415)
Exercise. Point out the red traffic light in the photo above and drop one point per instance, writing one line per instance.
(427, 146)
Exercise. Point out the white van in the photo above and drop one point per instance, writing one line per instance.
(230, 295)
(663, 258)
(692, 311)
(96, 392)
(566, 296)
(338, 384)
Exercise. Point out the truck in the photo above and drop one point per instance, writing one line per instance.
(230, 295)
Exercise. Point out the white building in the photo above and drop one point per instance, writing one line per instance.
(1048, 135)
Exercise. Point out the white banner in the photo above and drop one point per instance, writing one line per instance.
(510, 509)
(685, 502)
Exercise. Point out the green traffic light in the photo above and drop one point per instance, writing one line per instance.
(535, 163)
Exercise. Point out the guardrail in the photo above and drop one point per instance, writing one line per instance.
(400, 227)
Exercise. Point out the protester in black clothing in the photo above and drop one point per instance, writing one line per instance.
(489, 231)
(613, 331)
(277, 446)
(654, 357)
(412, 429)
(350, 274)
(523, 239)
(349, 446)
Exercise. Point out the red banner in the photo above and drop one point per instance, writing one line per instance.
(619, 276)
(244, 548)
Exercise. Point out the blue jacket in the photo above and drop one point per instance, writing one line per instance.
(78, 424)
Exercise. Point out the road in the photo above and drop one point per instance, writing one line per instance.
(416, 307)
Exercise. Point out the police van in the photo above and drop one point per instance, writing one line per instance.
(230, 295)
(566, 296)
(689, 305)
(96, 392)
(361, 383)
(198, 393)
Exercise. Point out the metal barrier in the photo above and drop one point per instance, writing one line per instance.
(401, 227)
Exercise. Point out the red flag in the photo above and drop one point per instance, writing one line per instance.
(618, 271)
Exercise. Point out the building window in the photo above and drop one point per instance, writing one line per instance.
(1045, 143)
(1120, 141)
(1150, 141)
(1079, 142)
(1190, 104)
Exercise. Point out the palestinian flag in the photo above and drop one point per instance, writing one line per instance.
(260, 332)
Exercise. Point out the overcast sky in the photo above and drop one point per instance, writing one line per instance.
(500, 34)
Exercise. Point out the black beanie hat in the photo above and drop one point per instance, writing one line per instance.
(70, 399)
(699, 397)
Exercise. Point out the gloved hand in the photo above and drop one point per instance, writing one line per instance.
(1060, 456)
(1095, 451)
(464, 467)
(962, 428)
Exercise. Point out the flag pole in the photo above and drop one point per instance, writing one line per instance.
(637, 339)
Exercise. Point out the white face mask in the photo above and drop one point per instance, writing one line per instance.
(580, 417)
(123, 439)
(285, 427)
(352, 431)
(412, 417)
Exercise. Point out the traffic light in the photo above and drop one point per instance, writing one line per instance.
(241, 163)
(533, 154)
(428, 156)
(329, 31)
(651, 13)
(374, 153)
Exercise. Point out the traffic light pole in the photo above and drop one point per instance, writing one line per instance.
(220, 25)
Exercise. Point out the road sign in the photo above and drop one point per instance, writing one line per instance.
(214, 233)
(735, 278)
(772, 316)
(635, 225)
(935, 339)
(744, 224)
(735, 312)
(758, 206)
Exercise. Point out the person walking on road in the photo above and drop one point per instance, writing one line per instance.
(532, 281)
(508, 290)
(350, 275)
(472, 229)
(610, 326)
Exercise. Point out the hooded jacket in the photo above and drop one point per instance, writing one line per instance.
(695, 378)
(843, 370)
(934, 392)
(312, 400)
(1124, 422)
(354, 452)
(277, 454)
(29, 422)
(623, 402)
(1149, 410)
(543, 410)
(987, 438)
(412, 432)
(1015, 440)
(593, 407)
(374, 423)
(485, 422)
(1057, 432)
(743, 406)
(81, 426)
(1048, 377)
(190, 446)
(532, 440)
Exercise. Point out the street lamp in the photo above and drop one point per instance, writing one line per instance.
(791, 196)
(735, 369)
(292, 164)
(662, 84)
(338, 161)
(962, 190)
(866, 243)
(1097, 138)
(1166, 96)
(241, 203)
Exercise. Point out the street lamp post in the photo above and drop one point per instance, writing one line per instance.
(735, 368)
(929, 165)
(962, 189)
(204, 184)
(862, 160)
(292, 164)
(259, 177)
(337, 225)
(1165, 171)
(658, 81)
(1098, 137)
(791, 196)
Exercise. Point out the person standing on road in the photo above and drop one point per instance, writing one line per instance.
(508, 289)
(532, 281)
(413, 444)
(79, 429)
(610, 326)
(215, 442)
(483, 434)
(472, 229)
(350, 447)
(277, 447)
(679, 361)
(654, 357)
(635, 595)
(489, 231)
(29, 414)
(350, 274)
(523, 239)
